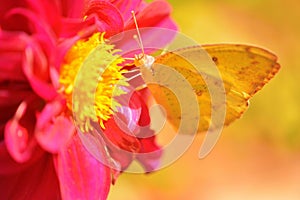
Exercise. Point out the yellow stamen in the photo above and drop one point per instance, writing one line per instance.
(106, 74)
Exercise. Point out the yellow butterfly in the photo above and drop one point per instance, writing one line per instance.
(243, 70)
(240, 70)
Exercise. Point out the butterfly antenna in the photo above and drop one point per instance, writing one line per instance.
(135, 37)
(139, 39)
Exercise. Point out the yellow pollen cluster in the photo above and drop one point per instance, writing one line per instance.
(92, 71)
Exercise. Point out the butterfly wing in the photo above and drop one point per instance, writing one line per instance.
(243, 70)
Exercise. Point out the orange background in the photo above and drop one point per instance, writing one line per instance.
(258, 156)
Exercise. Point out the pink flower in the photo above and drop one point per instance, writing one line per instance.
(41, 153)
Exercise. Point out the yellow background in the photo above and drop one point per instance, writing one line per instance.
(258, 156)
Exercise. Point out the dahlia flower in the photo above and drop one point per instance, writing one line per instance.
(42, 46)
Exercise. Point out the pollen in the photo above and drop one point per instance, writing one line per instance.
(90, 78)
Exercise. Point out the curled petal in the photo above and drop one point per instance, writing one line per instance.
(155, 14)
(109, 18)
(41, 86)
(37, 25)
(48, 12)
(16, 138)
(53, 131)
(14, 23)
(19, 141)
(80, 174)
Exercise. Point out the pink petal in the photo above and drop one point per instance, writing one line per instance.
(53, 131)
(154, 22)
(37, 25)
(72, 8)
(48, 12)
(123, 158)
(10, 66)
(73, 26)
(154, 38)
(38, 54)
(109, 18)
(144, 116)
(150, 154)
(16, 138)
(19, 141)
(129, 112)
(95, 140)
(8, 5)
(153, 15)
(126, 6)
(121, 147)
(54, 77)
(9, 166)
(81, 176)
(116, 161)
(41, 87)
(35, 179)
(15, 23)
(119, 136)
(127, 118)
(13, 41)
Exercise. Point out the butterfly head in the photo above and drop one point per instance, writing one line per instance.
(144, 60)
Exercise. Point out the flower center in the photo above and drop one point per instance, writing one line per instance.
(92, 70)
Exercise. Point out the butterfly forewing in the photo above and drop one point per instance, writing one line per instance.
(248, 68)
(242, 70)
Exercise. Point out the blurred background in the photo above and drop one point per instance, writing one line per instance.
(258, 156)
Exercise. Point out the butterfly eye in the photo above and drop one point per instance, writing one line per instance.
(148, 61)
